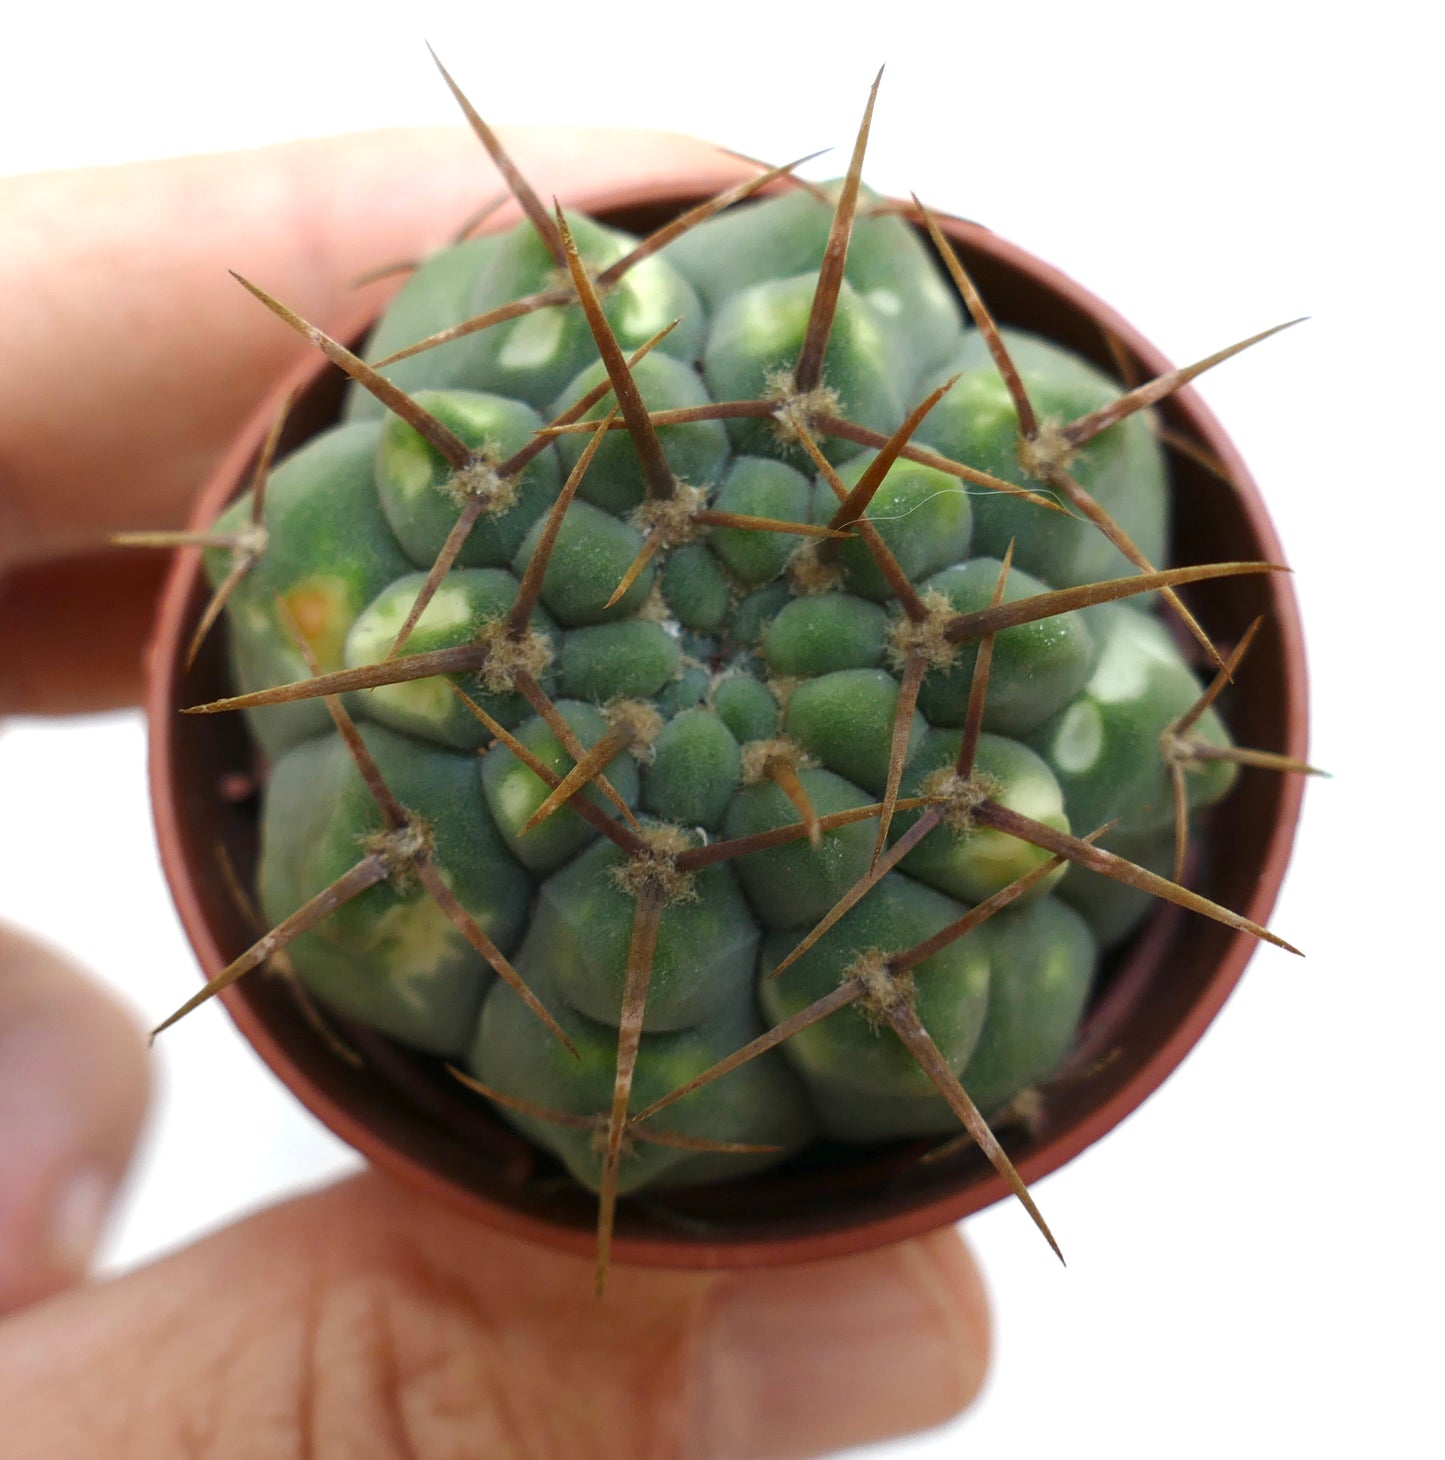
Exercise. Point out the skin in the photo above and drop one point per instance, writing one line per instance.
(364, 1320)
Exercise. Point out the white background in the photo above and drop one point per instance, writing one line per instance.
(1254, 1259)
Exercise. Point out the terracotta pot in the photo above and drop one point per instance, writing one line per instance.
(1154, 1001)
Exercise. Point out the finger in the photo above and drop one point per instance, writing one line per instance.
(73, 1086)
(78, 627)
(367, 1321)
(132, 357)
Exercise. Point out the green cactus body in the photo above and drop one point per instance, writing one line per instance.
(435, 296)
(761, 1103)
(888, 265)
(390, 958)
(533, 358)
(328, 556)
(514, 793)
(696, 451)
(1103, 746)
(1037, 668)
(1122, 469)
(427, 707)
(413, 478)
(751, 683)
(974, 862)
(761, 327)
(1112, 909)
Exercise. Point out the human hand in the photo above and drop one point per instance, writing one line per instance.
(363, 1321)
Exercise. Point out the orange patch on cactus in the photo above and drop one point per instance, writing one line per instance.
(319, 607)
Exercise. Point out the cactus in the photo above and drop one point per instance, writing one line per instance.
(704, 680)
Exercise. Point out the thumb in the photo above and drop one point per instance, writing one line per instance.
(367, 1321)
(73, 1086)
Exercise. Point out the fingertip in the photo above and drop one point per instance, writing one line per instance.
(949, 1263)
(806, 1360)
(74, 1083)
(57, 664)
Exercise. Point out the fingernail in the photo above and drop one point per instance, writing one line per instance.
(52, 1197)
(808, 1360)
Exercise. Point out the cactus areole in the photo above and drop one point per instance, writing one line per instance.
(724, 798)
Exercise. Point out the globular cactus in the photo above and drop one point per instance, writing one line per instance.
(709, 689)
